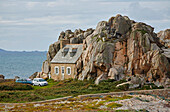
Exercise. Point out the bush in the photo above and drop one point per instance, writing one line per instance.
(151, 86)
(124, 87)
(15, 86)
(50, 80)
(114, 105)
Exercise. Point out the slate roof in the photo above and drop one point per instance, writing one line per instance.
(59, 58)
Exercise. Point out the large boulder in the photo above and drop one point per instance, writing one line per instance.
(45, 67)
(88, 32)
(16, 77)
(62, 35)
(136, 52)
(34, 75)
(52, 51)
(164, 37)
(39, 75)
(120, 24)
(2, 76)
(113, 74)
(100, 78)
(74, 40)
(100, 27)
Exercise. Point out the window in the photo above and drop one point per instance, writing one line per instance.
(62, 70)
(56, 70)
(68, 70)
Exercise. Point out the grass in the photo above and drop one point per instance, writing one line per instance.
(150, 86)
(125, 111)
(57, 89)
(119, 98)
(141, 110)
(14, 86)
(114, 105)
(142, 31)
(74, 104)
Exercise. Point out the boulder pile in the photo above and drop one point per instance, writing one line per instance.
(119, 48)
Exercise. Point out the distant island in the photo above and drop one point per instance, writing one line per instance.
(2, 50)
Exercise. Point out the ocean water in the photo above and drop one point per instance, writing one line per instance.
(22, 64)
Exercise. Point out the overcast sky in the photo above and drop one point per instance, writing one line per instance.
(35, 24)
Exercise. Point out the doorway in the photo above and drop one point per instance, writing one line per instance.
(62, 73)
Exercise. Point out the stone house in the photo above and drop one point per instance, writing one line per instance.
(63, 65)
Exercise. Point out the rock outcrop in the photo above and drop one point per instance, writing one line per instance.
(164, 37)
(119, 48)
(2, 76)
(39, 75)
(75, 37)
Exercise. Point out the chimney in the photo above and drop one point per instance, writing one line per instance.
(73, 51)
(65, 51)
(63, 42)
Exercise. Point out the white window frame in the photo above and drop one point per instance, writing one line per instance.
(61, 69)
(67, 70)
(55, 70)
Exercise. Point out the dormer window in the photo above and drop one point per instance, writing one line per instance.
(65, 51)
(73, 52)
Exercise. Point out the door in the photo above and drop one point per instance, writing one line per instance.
(62, 73)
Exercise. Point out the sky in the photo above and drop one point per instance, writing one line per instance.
(28, 25)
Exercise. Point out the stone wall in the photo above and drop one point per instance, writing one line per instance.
(59, 76)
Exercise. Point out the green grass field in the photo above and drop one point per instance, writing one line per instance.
(28, 93)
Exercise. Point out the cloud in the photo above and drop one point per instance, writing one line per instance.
(29, 20)
(6, 21)
(46, 20)
(52, 4)
(53, 20)
(32, 4)
(155, 14)
(141, 12)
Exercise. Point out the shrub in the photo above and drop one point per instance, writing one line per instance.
(126, 111)
(124, 87)
(110, 99)
(100, 103)
(151, 86)
(114, 105)
(90, 98)
(107, 97)
(71, 99)
(15, 86)
(50, 80)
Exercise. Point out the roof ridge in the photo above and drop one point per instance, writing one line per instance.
(67, 59)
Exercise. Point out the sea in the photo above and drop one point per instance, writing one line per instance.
(22, 64)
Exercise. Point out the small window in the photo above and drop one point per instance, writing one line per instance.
(56, 69)
(62, 70)
(68, 70)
